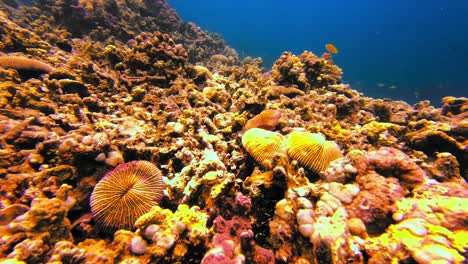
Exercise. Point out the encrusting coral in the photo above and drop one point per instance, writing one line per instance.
(233, 241)
(228, 161)
(391, 162)
(178, 232)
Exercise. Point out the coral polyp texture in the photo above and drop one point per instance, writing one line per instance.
(126, 193)
(312, 150)
(229, 162)
(272, 149)
(266, 147)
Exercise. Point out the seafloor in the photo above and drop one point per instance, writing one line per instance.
(324, 175)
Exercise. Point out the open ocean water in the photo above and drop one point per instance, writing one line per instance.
(403, 50)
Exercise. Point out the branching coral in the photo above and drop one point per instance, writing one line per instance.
(307, 71)
(154, 57)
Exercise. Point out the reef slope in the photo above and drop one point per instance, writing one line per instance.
(375, 180)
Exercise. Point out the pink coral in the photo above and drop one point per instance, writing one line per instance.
(376, 201)
(391, 162)
(236, 233)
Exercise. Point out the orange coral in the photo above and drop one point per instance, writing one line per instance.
(267, 119)
(23, 63)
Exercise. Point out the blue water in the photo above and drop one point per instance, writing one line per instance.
(420, 47)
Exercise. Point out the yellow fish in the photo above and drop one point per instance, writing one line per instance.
(331, 48)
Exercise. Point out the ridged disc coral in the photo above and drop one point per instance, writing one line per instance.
(312, 150)
(266, 147)
(126, 193)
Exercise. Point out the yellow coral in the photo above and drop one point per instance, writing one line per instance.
(312, 150)
(156, 215)
(381, 133)
(266, 147)
(338, 132)
(172, 224)
(195, 220)
(438, 210)
(460, 240)
(427, 243)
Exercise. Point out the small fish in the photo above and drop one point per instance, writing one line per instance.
(392, 87)
(380, 84)
(331, 48)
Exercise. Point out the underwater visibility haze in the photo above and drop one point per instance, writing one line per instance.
(404, 50)
(130, 135)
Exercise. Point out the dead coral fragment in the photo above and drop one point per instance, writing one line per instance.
(312, 150)
(274, 91)
(126, 193)
(23, 63)
(267, 119)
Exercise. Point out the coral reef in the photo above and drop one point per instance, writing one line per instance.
(144, 139)
(307, 71)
